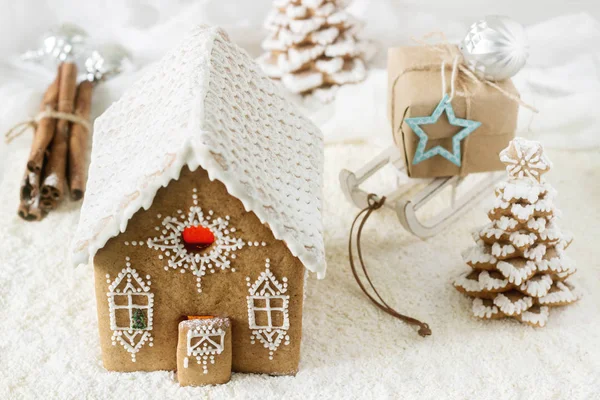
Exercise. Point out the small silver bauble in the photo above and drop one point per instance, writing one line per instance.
(64, 43)
(495, 47)
(108, 59)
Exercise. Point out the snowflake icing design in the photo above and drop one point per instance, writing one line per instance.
(217, 257)
(525, 159)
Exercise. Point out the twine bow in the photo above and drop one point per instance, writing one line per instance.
(21, 127)
(466, 73)
(375, 203)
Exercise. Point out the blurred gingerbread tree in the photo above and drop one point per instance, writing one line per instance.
(312, 47)
(519, 265)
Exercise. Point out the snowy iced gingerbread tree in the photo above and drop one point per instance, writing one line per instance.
(312, 47)
(519, 265)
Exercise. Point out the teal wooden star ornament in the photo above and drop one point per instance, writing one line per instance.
(468, 127)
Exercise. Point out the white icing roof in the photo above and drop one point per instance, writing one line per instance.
(207, 104)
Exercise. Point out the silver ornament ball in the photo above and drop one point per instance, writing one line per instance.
(108, 59)
(63, 43)
(495, 47)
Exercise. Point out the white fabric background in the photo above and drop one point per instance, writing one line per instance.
(48, 344)
(562, 78)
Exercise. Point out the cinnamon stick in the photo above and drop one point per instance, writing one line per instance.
(47, 203)
(78, 141)
(29, 207)
(48, 198)
(45, 128)
(56, 167)
(29, 211)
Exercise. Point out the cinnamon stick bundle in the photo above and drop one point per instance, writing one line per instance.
(56, 168)
(78, 141)
(29, 207)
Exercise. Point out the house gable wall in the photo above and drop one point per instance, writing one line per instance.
(175, 294)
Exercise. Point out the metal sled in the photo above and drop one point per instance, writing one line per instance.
(406, 207)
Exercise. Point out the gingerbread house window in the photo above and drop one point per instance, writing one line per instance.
(131, 310)
(269, 312)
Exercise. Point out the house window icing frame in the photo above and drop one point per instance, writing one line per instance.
(130, 338)
(267, 288)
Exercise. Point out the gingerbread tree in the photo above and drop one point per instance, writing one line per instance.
(139, 319)
(519, 264)
(312, 47)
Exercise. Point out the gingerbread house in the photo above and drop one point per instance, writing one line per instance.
(203, 200)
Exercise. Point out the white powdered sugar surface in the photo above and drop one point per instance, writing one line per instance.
(49, 331)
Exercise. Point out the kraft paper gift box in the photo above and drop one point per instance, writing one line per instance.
(415, 90)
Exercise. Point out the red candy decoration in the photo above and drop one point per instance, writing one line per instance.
(198, 237)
